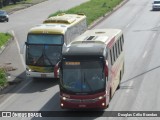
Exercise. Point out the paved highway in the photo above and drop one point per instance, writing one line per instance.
(139, 90)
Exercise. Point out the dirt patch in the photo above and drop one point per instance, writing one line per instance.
(7, 67)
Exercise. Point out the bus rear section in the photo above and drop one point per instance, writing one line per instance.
(85, 71)
(44, 43)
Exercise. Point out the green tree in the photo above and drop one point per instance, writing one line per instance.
(6, 2)
(1, 3)
(14, 1)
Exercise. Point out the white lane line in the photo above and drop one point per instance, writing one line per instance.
(129, 87)
(13, 95)
(128, 25)
(153, 35)
(18, 48)
(144, 55)
(131, 22)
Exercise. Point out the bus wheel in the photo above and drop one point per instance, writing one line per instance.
(109, 99)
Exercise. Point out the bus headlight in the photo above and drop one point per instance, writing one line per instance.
(100, 98)
(64, 98)
(28, 69)
(62, 104)
(103, 104)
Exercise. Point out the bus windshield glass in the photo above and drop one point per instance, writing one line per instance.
(156, 2)
(43, 55)
(43, 49)
(45, 39)
(83, 77)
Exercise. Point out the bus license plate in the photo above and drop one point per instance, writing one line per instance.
(82, 106)
(43, 75)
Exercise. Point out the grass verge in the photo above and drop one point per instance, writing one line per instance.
(4, 37)
(3, 80)
(93, 9)
(21, 5)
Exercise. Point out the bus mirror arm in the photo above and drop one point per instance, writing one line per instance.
(26, 43)
(56, 68)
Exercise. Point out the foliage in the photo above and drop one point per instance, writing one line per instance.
(7, 2)
(3, 80)
(4, 37)
(93, 9)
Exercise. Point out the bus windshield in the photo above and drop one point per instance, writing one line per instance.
(44, 39)
(83, 77)
(43, 55)
(156, 2)
(43, 49)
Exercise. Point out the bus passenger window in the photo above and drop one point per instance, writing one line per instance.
(111, 57)
(116, 49)
(119, 50)
(113, 53)
(121, 44)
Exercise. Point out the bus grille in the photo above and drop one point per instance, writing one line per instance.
(82, 100)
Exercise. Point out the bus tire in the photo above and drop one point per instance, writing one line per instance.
(109, 99)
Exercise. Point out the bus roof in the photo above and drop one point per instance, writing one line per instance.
(84, 49)
(67, 19)
(92, 42)
(48, 29)
(103, 36)
(57, 24)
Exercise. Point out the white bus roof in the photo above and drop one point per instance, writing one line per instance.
(57, 24)
(92, 42)
(97, 36)
(67, 19)
(48, 29)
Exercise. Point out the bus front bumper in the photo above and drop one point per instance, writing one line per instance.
(84, 105)
(39, 74)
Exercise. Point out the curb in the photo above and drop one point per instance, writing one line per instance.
(96, 22)
(3, 87)
(24, 6)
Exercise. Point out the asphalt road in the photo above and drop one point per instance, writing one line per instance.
(139, 90)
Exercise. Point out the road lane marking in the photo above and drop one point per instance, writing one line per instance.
(18, 48)
(144, 55)
(129, 87)
(14, 94)
(128, 25)
(131, 22)
(153, 35)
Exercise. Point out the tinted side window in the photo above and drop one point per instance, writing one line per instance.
(119, 49)
(111, 56)
(116, 48)
(113, 53)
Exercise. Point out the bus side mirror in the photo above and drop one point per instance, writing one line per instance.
(56, 70)
(106, 70)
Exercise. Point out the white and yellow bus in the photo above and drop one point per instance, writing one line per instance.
(44, 43)
(91, 69)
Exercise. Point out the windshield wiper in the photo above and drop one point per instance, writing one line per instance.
(87, 83)
(48, 59)
(42, 58)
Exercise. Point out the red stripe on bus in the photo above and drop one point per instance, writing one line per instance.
(111, 42)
